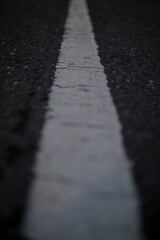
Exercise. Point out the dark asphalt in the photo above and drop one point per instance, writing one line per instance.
(30, 37)
(128, 35)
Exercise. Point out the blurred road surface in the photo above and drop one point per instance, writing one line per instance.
(32, 36)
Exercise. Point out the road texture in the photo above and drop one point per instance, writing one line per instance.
(128, 36)
(30, 36)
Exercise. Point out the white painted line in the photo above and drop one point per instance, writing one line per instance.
(83, 189)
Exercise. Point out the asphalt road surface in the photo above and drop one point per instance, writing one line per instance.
(59, 129)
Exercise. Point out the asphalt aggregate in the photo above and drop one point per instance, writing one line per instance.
(31, 33)
(128, 36)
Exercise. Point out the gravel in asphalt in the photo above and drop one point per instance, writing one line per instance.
(128, 36)
(30, 37)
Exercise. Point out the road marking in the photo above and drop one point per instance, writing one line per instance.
(83, 188)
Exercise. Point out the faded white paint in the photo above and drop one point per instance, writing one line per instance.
(83, 188)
